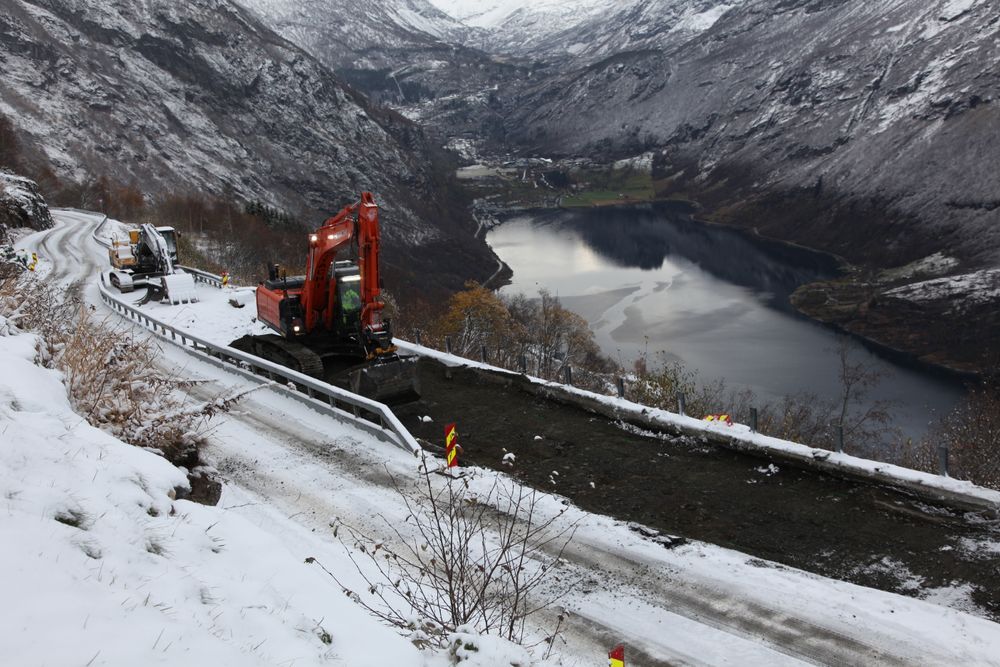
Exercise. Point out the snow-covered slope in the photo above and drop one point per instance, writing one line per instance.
(398, 52)
(99, 553)
(357, 32)
(546, 28)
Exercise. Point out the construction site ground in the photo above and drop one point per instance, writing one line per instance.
(869, 535)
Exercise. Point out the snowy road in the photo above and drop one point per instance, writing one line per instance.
(293, 471)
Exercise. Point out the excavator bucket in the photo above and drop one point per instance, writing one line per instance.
(392, 382)
(179, 288)
(173, 289)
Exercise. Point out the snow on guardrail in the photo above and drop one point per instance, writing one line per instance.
(739, 437)
(202, 276)
(371, 416)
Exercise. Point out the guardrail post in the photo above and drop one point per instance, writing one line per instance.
(482, 354)
(840, 438)
(447, 344)
(569, 374)
(680, 404)
(524, 364)
(753, 420)
(943, 456)
(621, 387)
(417, 335)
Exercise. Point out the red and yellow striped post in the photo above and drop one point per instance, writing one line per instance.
(451, 445)
(617, 657)
(225, 278)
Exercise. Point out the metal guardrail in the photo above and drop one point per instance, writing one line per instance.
(97, 230)
(371, 416)
(202, 276)
(374, 417)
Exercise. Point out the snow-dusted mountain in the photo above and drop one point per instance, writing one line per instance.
(358, 33)
(868, 129)
(200, 96)
(399, 52)
(547, 28)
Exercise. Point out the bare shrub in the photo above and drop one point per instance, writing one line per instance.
(864, 421)
(538, 332)
(473, 559)
(802, 417)
(111, 375)
(971, 432)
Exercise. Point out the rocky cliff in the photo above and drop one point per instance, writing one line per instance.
(201, 96)
(21, 205)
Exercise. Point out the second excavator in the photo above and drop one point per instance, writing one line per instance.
(329, 322)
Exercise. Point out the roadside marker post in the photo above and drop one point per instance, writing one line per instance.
(616, 658)
(451, 445)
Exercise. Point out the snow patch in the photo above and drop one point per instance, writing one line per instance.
(953, 9)
(980, 287)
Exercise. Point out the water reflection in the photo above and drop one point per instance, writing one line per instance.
(644, 237)
(653, 282)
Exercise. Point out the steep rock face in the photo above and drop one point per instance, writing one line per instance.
(397, 52)
(860, 128)
(21, 205)
(199, 95)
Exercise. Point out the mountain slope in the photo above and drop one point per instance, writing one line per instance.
(358, 33)
(398, 52)
(583, 28)
(200, 96)
(856, 128)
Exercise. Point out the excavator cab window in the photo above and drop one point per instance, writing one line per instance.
(349, 294)
(169, 235)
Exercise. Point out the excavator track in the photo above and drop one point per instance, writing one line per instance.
(288, 353)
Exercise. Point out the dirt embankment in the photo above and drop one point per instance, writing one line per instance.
(861, 533)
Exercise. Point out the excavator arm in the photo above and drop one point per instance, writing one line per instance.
(359, 223)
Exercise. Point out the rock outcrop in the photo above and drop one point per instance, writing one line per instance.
(21, 205)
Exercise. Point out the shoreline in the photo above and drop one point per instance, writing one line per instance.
(842, 268)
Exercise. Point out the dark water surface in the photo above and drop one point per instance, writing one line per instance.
(651, 280)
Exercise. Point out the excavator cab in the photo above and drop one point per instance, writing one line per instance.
(169, 235)
(348, 280)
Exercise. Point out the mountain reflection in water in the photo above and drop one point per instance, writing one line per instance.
(653, 282)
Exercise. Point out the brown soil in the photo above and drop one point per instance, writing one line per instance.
(865, 534)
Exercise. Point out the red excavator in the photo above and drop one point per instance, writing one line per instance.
(332, 314)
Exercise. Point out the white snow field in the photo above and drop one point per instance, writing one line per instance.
(145, 579)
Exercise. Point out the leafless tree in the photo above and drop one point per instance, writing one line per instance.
(466, 558)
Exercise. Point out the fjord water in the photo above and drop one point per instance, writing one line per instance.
(650, 280)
